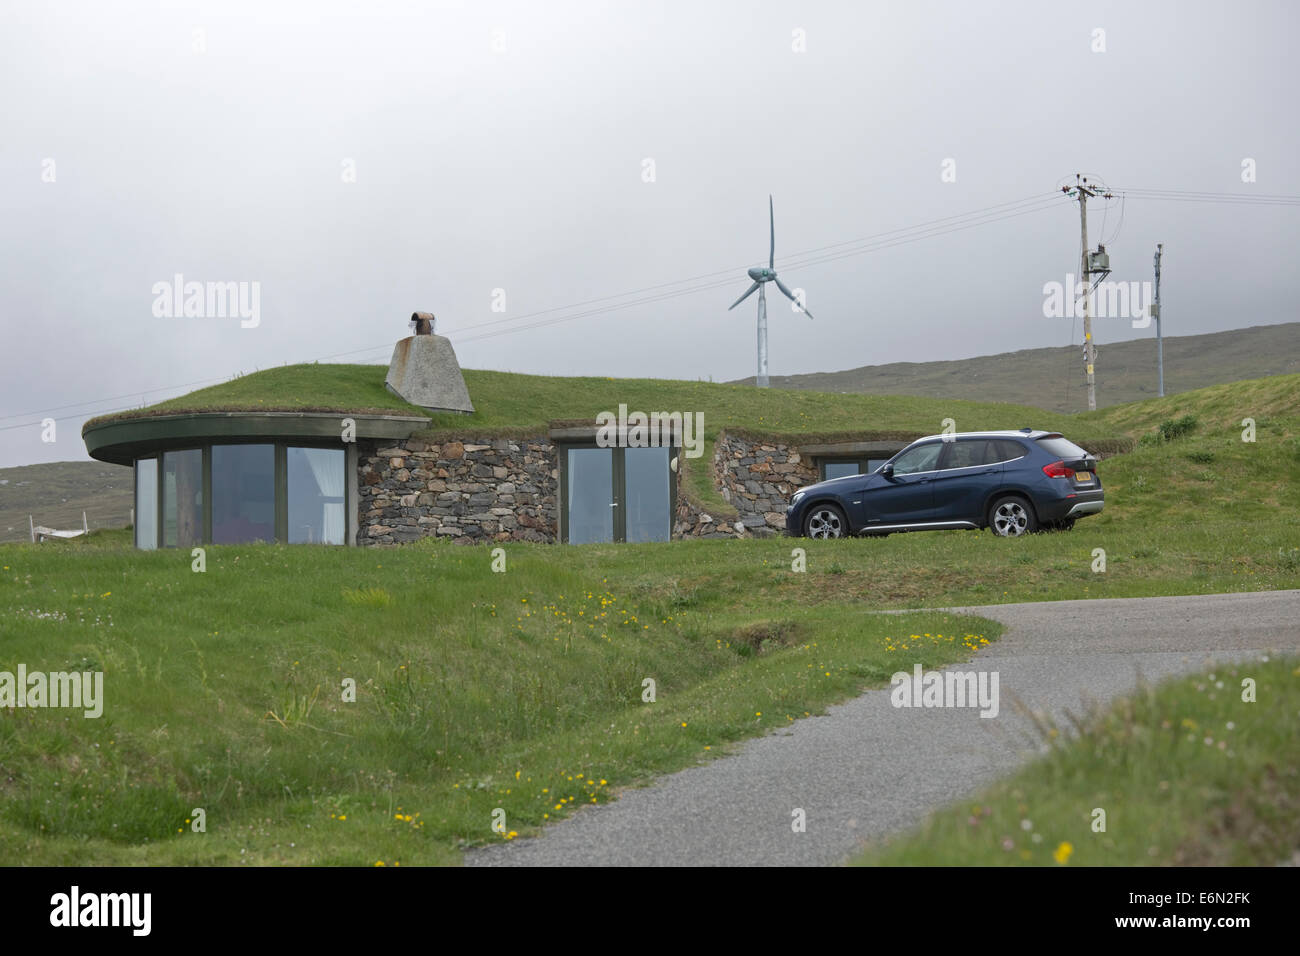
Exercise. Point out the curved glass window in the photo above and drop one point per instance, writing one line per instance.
(146, 503)
(316, 489)
(243, 493)
(238, 494)
(182, 498)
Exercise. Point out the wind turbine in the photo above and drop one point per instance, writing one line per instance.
(761, 278)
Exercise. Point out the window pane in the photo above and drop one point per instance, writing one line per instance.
(920, 458)
(1008, 449)
(874, 463)
(243, 493)
(648, 500)
(967, 452)
(839, 469)
(146, 503)
(182, 498)
(591, 492)
(317, 487)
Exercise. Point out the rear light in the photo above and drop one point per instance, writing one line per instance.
(1057, 469)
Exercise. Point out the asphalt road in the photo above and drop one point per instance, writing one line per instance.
(867, 769)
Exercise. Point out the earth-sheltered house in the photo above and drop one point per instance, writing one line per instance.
(341, 454)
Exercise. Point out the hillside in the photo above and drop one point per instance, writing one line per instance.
(1052, 378)
(55, 494)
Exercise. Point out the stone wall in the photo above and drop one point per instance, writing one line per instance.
(693, 521)
(491, 490)
(757, 478)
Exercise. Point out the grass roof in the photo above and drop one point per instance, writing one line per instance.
(507, 403)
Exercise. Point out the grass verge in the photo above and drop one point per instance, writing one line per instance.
(1187, 774)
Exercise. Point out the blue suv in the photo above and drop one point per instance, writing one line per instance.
(1012, 483)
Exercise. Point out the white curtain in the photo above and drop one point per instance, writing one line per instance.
(327, 467)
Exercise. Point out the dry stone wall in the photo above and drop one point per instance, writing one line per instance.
(494, 489)
(757, 478)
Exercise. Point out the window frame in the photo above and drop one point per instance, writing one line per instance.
(618, 475)
(280, 482)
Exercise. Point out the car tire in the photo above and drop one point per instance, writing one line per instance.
(825, 520)
(1011, 516)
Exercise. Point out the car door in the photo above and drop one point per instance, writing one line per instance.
(905, 496)
(967, 471)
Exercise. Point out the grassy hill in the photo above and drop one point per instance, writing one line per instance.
(1052, 378)
(55, 495)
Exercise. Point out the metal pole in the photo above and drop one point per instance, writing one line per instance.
(762, 336)
(1160, 345)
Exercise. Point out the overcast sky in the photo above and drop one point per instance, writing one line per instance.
(360, 161)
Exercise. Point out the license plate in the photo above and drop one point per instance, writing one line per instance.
(1083, 476)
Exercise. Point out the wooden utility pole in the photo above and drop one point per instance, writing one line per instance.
(1089, 350)
(1082, 190)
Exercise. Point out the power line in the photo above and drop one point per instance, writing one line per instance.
(729, 273)
(816, 256)
(816, 260)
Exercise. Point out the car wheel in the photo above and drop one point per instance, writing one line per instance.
(1011, 517)
(825, 521)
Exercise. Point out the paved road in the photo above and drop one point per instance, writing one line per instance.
(867, 768)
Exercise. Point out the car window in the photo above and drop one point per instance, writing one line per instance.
(920, 458)
(968, 452)
(1005, 450)
(1061, 448)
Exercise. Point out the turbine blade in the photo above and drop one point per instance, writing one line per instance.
(771, 216)
(791, 296)
(743, 297)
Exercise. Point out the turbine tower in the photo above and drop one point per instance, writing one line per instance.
(761, 278)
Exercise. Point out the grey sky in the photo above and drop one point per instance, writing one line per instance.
(522, 169)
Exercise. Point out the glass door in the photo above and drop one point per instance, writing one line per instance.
(617, 494)
(647, 494)
(589, 499)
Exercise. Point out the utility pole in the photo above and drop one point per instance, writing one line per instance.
(1082, 190)
(1160, 349)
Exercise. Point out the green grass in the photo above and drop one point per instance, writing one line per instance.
(1188, 774)
(474, 690)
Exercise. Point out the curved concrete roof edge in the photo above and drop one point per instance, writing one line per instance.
(122, 440)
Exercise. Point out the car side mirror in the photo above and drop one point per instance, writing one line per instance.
(886, 469)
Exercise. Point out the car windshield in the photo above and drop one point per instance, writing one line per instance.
(1062, 448)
